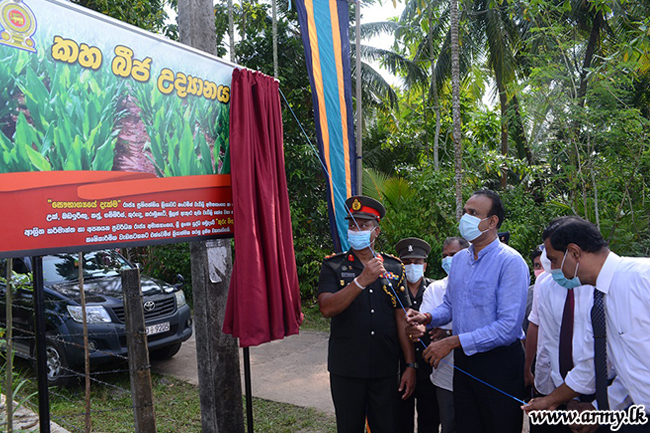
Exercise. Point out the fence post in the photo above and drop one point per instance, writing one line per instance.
(139, 368)
(9, 393)
(217, 353)
(41, 344)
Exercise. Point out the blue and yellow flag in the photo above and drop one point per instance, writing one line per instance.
(324, 25)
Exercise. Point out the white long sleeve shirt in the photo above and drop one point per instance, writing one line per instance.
(625, 281)
(550, 308)
(443, 376)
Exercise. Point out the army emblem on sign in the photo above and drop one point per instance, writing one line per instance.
(18, 25)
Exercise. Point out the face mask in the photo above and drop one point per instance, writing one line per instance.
(414, 272)
(563, 281)
(538, 272)
(446, 264)
(546, 263)
(359, 240)
(468, 227)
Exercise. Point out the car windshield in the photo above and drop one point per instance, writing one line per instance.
(59, 268)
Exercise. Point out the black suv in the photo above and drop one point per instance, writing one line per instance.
(168, 319)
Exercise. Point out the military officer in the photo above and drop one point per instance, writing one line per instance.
(363, 292)
(413, 253)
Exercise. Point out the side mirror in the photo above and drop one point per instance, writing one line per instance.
(179, 279)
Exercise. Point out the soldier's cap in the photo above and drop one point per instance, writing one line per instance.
(412, 248)
(365, 208)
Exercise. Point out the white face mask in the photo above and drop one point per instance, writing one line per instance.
(360, 239)
(468, 226)
(546, 263)
(446, 264)
(414, 272)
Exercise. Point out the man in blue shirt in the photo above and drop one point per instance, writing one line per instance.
(486, 298)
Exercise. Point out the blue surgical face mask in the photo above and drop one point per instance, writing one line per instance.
(468, 227)
(567, 283)
(414, 272)
(446, 264)
(359, 240)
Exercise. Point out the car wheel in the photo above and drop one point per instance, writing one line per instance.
(57, 367)
(166, 352)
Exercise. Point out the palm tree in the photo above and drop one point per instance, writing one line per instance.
(455, 84)
(377, 92)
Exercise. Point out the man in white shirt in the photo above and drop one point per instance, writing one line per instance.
(443, 376)
(579, 255)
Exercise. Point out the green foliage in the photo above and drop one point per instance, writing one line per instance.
(17, 394)
(179, 144)
(67, 121)
(178, 408)
(147, 14)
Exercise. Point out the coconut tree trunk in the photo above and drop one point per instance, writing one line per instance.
(231, 31)
(589, 55)
(522, 143)
(433, 92)
(455, 86)
(436, 109)
(503, 98)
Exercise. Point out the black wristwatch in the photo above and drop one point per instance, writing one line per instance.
(412, 365)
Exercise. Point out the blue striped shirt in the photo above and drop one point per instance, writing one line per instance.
(486, 297)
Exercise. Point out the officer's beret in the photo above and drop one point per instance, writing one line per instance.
(366, 208)
(412, 248)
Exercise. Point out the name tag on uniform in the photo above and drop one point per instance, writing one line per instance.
(348, 274)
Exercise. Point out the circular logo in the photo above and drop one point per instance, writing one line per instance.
(149, 306)
(17, 18)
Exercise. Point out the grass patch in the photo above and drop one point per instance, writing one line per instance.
(314, 320)
(177, 408)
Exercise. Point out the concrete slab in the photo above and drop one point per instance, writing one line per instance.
(292, 370)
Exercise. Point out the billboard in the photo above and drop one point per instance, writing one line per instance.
(109, 136)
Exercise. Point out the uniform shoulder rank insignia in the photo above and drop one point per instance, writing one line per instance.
(332, 255)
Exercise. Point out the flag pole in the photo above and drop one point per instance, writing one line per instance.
(359, 113)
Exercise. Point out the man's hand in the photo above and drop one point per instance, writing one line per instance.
(438, 334)
(414, 318)
(562, 394)
(371, 271)
(407, 384)
(415, 332)
(540, 403)
(581, 407)
(439, 349)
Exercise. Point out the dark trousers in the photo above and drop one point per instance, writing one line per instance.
(481, 409)
(426, 401)
(355, 398)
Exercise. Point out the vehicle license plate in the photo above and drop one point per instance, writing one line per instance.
(157, 328)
